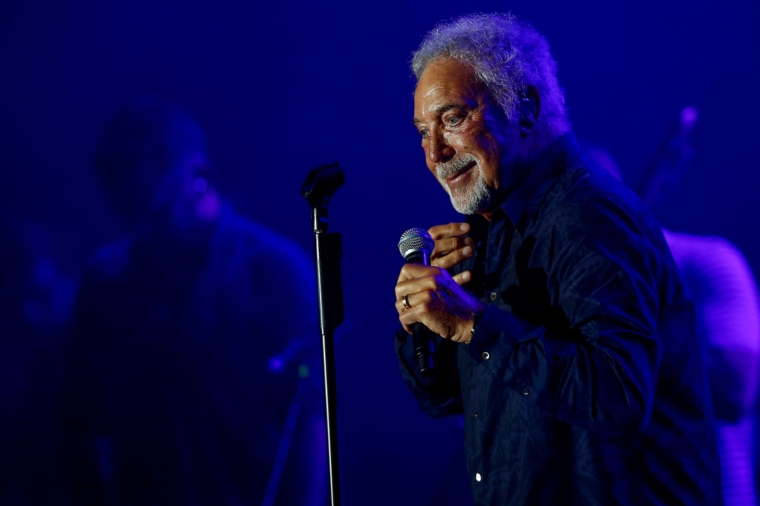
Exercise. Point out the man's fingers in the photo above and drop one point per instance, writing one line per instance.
(404, 303)
(463, 277)
(415, 278)
(415, 310)
(413, 301)
(413, 286)
(436, 300)
(451, 244)
(415, 271)
(453, 258)
(450, 230)
(446, 246)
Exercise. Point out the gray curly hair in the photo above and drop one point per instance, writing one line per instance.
(507, 55)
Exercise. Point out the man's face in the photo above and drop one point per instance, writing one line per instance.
(172, 199)
(465, 134)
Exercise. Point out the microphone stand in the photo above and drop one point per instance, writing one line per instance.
(319, 186)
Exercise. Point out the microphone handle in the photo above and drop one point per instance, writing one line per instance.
(424, 349)
(423, 339)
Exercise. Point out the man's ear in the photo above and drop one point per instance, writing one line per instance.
(528, 110)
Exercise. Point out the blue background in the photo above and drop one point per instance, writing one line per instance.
(283, 87)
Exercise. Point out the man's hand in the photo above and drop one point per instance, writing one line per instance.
(451, 245)
(436, 300)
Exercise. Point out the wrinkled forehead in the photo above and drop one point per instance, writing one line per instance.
(448, 70)
(446, 80)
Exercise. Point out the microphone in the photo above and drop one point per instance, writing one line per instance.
(416, 246)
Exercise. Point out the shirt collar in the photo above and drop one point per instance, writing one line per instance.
(528, 196)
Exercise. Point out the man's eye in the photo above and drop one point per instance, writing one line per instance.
(423, 133)
(453, 120)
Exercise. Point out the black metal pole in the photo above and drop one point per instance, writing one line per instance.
(318, 189)
(328, 250)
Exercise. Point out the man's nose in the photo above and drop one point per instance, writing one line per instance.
(439, 150)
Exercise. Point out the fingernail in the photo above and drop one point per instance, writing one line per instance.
(467, 251)
(468, 240)
(466, 275)
(464, 226)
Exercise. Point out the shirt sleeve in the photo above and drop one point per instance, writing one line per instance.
(439, 395)
(591, 355)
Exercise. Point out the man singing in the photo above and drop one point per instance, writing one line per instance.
(566, 338)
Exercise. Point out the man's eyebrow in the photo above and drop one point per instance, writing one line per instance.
(442, 109)
(447, 107)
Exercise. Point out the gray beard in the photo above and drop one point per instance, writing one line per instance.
(473, 197)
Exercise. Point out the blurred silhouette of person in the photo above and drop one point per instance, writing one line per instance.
(36, 297)
(725, 297)
(728, 320)
(184, 365)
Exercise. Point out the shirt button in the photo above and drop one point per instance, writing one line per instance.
(486, 355)
(478, 477)
(493, 295)
(526, 391)
(475, 415)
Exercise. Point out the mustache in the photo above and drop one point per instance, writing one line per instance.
(448, 169)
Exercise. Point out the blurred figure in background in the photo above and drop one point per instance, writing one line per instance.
(183, 367)
(36, 297)
(725, 297)
(728, 320)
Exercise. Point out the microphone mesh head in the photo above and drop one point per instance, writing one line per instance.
(415, 239)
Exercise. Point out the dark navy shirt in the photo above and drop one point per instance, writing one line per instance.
(583, 382)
